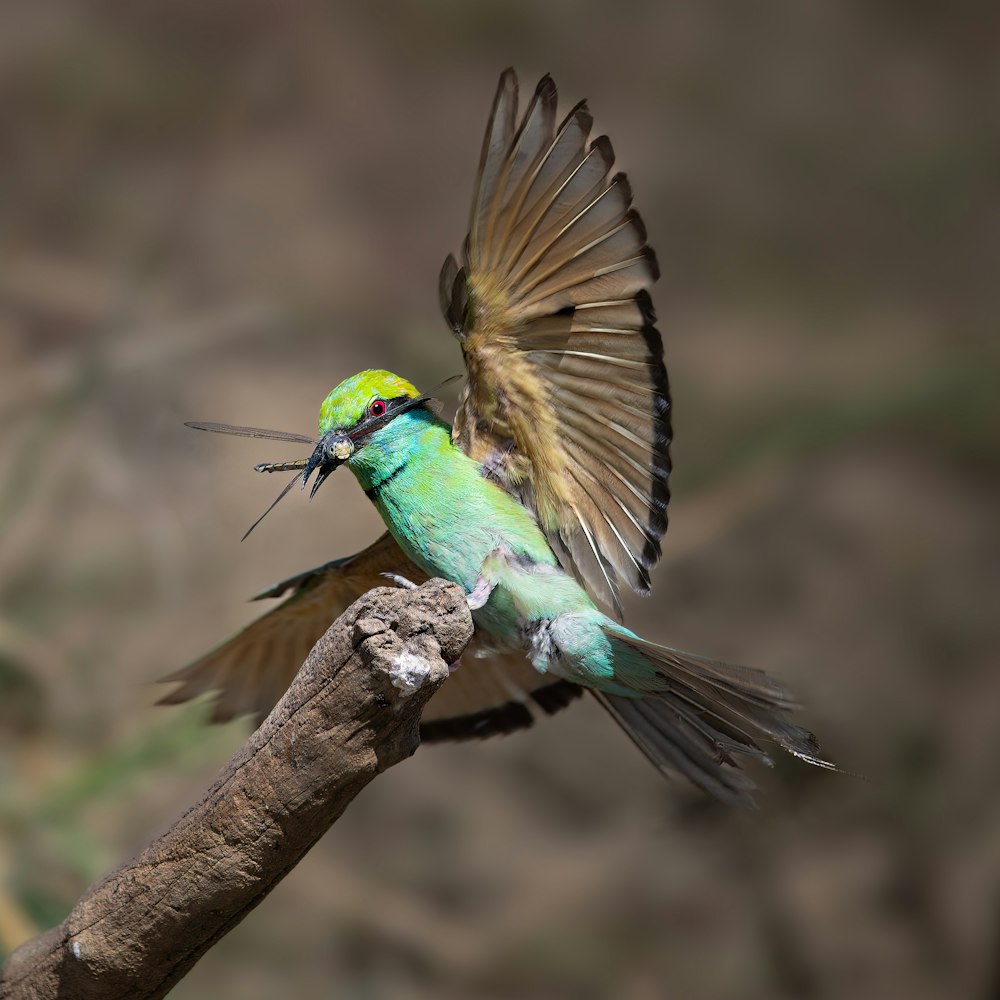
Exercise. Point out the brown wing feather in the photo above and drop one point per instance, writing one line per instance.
(490, 693)
(566, 401)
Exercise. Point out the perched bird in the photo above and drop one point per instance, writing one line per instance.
(547, 495)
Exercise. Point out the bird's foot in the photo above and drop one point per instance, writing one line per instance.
(400, 581)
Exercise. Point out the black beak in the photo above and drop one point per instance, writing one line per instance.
(324, 460)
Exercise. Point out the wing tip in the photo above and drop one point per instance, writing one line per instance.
(554, 697)
(497, 721)
(507, 86)
(602, 146)
(453, 293)
(621, 180)
(650, 255)
(546, 89)
(645, 303)
(580, 114)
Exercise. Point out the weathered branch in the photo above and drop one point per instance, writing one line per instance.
(352, 711)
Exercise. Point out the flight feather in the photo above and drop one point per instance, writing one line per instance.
(566, 402)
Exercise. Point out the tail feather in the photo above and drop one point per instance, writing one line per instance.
(662, 736)
(708, 716)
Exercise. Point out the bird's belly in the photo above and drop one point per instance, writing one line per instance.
(450, 552)
(452, 536)
(453, 544)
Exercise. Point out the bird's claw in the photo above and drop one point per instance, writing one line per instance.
(400, 581)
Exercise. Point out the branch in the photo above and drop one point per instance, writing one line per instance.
(352, 711)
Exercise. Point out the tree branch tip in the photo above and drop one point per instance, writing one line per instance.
(271, 802)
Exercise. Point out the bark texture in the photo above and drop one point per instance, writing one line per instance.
(352, 711)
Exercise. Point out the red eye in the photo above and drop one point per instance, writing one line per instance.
(377, 408)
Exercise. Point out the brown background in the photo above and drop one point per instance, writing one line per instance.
(219, 210)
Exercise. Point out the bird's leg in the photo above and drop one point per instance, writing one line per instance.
(400, 581)
(489, 576)
(480, 593)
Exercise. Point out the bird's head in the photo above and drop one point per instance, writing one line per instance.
(352, 421)
(352, 416)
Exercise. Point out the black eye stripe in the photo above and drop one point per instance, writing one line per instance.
(393, 407)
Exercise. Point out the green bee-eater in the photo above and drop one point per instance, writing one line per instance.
(549, 492)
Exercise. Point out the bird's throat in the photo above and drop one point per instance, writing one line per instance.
(374, 491)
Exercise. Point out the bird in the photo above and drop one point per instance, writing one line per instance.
(544, 500)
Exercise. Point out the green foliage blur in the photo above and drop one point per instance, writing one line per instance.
(218, 210)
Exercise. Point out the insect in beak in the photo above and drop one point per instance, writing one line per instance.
(331, 451)
(239, 430)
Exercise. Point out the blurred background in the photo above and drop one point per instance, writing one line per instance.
(217, 211)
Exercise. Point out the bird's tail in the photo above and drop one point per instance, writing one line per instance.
(708, 717)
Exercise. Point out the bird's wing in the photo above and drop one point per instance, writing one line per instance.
(566, 400)
(488, 694)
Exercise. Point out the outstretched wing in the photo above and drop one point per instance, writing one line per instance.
(566, 401)
(248, 674)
